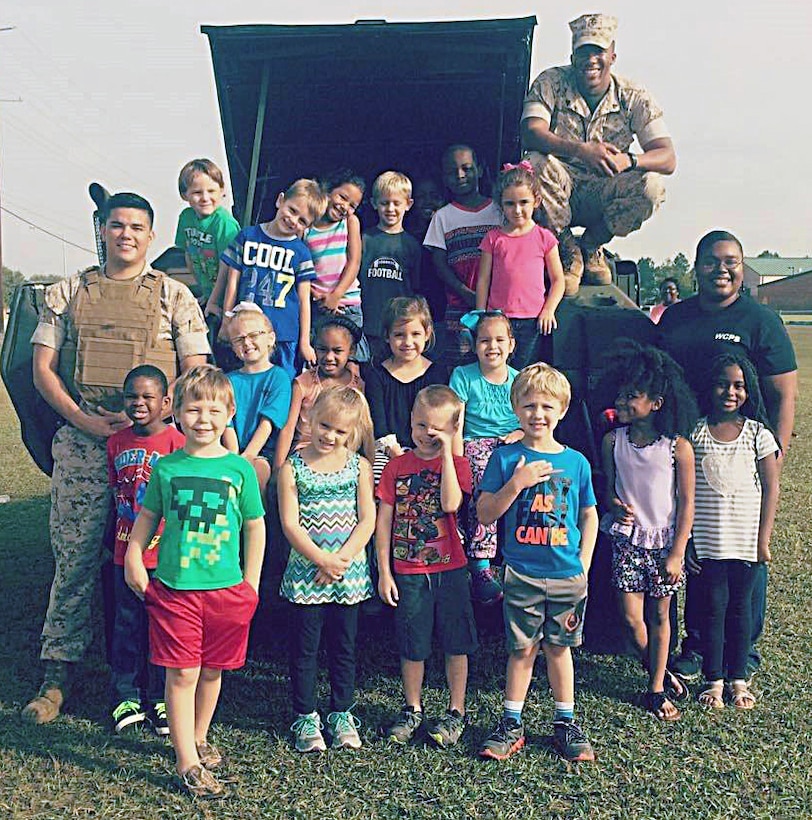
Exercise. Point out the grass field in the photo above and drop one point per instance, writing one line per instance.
(720, 765)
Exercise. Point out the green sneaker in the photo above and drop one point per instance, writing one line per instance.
(343, 728)
(307, 736)
(405, 725)
(505, 740)
(128, 716)
(446, 731)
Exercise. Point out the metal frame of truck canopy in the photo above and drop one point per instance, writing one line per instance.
(301, 100)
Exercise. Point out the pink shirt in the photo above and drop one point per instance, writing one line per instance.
(517, 274)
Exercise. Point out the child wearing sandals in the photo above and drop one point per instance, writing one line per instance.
(649, 468)
(736, 498)
(488, 421)
(328, 516)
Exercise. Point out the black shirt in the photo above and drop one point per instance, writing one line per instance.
(390, 400)
(694, 337)
(390, 266)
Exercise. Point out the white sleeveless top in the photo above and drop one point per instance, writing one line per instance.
(645, 479)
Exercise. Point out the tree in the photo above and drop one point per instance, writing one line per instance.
(768, 255)
(652, 275)
(11, 278)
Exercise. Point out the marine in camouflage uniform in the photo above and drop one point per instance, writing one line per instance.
(94, 328)
(580, 122)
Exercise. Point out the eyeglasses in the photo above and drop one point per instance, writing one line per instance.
(239, 341)
(729, 263)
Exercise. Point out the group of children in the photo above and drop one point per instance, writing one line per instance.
(426, 461)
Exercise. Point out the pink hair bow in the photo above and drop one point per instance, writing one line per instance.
(524, 165)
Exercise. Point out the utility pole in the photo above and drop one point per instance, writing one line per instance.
(2, 296)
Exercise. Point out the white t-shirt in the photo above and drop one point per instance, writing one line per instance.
(728, 491)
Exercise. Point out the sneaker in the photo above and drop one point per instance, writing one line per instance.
(505, 740)
(485, 588)
(405, 725)
(199, 782)
(128, 716)
(157, 719)
(343, 728)
(446, 731)
(687, 666)
(209, 754)
(571, 742)
(307, 736)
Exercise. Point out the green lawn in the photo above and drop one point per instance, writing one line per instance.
(721, 765)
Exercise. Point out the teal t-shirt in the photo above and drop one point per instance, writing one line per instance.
(488, 411)
(204, 502)
(204, 240)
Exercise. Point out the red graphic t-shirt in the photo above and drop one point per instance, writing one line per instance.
(130, 459)
(424, 538)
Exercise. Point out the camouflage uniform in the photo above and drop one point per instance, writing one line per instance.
(80, 496)
(573, 194)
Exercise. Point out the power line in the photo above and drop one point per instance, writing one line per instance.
(46, 231)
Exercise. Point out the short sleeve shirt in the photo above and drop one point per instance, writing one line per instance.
(728, 491)
(517, 274)
(390, 267)
(694, 337)
(270, 271)
(203, 240)
(204, 502)
(130, 459)
(488, 411)
(459, 231)
(541, 535)
(257, 396)
(626, 111)
(424, 538)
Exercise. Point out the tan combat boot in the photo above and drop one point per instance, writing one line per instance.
(596, 268)
(572, 262)
(46, 705)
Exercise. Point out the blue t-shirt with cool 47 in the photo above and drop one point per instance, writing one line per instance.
(270, 270)
(541, 535)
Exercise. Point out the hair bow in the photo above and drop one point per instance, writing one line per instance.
(471, 319)
(525, 165)
(243, 307)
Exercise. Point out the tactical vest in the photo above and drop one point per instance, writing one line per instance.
(116, 329)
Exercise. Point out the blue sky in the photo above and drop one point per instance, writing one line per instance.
(123, 93)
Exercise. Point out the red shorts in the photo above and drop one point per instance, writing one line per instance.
(190, 628)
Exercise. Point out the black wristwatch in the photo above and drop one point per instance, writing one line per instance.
(632, 159)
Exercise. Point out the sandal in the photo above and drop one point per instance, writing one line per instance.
(711, 696)
(657, 703)
(742, 697)
(676, 688)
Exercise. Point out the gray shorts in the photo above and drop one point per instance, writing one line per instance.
(550, 609)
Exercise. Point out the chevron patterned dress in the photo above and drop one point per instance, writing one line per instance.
(328, 510)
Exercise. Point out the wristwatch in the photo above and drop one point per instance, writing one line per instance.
(632, 159)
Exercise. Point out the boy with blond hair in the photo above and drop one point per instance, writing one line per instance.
(270, 264)
(390, 258)
(200, 600)
(422, 565)
(543, 491)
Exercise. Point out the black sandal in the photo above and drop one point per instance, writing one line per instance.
(655, 703)
(672, 681)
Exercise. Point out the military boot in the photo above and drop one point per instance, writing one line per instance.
(571, 260)
(46, 705)
(596, 268)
